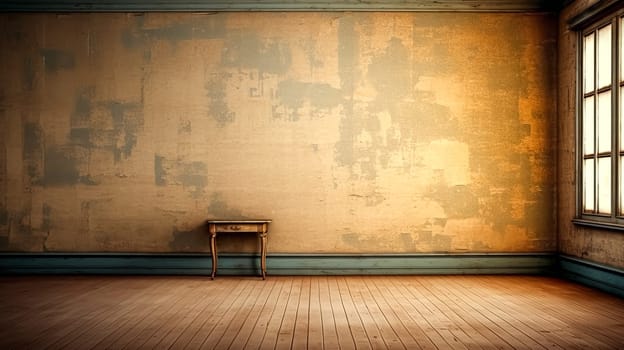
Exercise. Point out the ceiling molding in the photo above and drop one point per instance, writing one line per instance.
(272, 5)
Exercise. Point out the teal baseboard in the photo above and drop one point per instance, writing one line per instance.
(277, 264)
(595, 275)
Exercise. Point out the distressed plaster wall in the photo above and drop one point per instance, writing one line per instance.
(354, 132)
(602, 246)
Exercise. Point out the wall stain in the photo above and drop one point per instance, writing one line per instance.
(202, 27)
(387, 73)
(194, 240)
(459, 202)
(83, 106)
(219, 209)
(160, 173)
(55, 60)
(28, 73)
(60, 168)
(248, 51)
(191, 175)
(127, 122)
(46, 214)
(185, 127)
(33, 150)
(348, 51)
(119, 134)
(4, 216)
(81, 137)
(218, 107)
(294, 94)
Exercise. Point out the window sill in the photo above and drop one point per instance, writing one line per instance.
(598, 224)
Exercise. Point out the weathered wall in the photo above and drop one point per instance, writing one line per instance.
(601, 246)
(354, 132)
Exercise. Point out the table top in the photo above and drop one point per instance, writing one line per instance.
(240, 221)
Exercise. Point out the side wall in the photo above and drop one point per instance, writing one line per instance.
(601, 246)
(354, 132)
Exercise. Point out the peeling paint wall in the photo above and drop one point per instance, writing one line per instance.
(602, 246)
(354, 132)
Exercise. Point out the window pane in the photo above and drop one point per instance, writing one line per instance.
(622, 49)
(621, 120)
(604, 56)
(603, 120)
(588, 125)
(588, 185)
(604, 185)
(621, 195)
(588, 63)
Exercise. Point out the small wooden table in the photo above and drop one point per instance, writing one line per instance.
(261, 227)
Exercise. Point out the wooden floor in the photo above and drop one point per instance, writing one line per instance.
(344, 312)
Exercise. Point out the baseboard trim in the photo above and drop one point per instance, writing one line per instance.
(605, 278)
(277, 264)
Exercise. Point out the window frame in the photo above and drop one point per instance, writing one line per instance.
(615, 219)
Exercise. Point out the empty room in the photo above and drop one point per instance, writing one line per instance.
(307, 174)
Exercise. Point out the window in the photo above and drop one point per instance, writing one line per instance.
(601, 123)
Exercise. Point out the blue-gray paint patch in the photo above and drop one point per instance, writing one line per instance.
(4, 216)
(83, 107)
(28, 74)
(55, 60)
(33, 140)
(459, 202)
(348, 51)
(160, 174)
(127, 122)
(193, 176)
(217, 104)
(219, 209)
(80, 137)
(293, 94)
(199, 27)
(194, 240)
(388, 73)
(247, 50)
(126, 118)
(185, 127)
(46, 211)
(33, 150)
(60, 168)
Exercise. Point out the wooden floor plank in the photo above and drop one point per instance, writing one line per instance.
(481, 337)
(253, 326)
(273, 326)
(413, 291)
(343, 329)
(561, 324)
(205, 320)
(491, 329)
(353, 318)
(212, 330)
(306, 312)
(315, 321)
(243, 312)
(419, 325)
(410, 333)
(300, 336)
(356, 290)
(480, 296)
(330, 335)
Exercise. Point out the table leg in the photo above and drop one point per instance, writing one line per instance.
(263, 242)
(213, 251)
